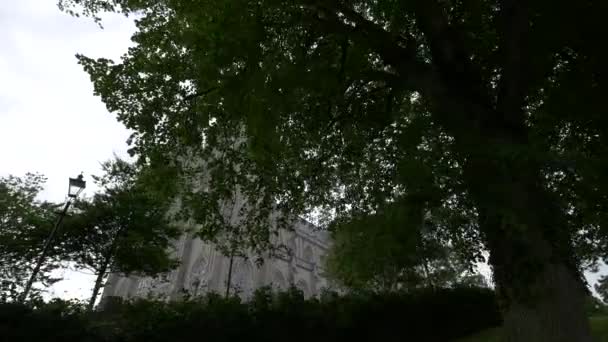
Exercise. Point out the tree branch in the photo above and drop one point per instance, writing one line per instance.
(514, 31)
(414, 73)
(200, 93)
(463, 88)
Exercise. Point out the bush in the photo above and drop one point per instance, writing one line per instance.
(55, 321)
(595, 307)
(440, 315)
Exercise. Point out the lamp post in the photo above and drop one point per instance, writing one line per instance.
(229, 274)
(76, 185)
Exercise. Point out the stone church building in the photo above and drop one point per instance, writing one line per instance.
(203, 269)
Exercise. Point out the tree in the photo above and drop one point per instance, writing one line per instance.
(377, 252)
(396, 250)
(124, 228)
(25, 223)
(491, 108)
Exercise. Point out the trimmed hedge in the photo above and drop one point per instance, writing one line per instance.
(55, 321)
(440, 315)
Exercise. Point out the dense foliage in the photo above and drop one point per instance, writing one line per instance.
(388, 251)
(425, 316)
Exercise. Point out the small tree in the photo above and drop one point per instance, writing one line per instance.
(124, 228)
(396, 249)
(25, 223)
(377, 252)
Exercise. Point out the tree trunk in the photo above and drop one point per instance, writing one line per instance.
(542, 297)
(557, 315)
(427, 275)
(229, 280)
(100, 275)
(537, 279)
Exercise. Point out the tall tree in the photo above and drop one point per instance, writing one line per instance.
(25, 224)
(124, 228)
(491, 107)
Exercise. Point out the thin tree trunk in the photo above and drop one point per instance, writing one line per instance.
(427, 274)
(100, 275)
(103, 269)
(229, 280)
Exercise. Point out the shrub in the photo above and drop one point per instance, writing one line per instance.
(59, 321)
(439, 315)
(595, 307)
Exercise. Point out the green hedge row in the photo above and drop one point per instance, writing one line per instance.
(439, 315)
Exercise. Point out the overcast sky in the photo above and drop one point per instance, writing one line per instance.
(50, 122)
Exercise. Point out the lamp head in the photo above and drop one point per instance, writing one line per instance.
(76, 186)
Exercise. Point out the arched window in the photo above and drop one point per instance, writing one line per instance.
(291, 245)
(243, 279)
(308, 255)
(197, 276)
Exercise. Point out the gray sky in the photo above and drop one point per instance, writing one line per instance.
(50, 122)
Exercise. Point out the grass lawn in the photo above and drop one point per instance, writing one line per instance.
(599, 327)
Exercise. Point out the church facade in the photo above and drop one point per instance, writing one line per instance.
(204, 269)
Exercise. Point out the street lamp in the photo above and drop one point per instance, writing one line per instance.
(76, 185)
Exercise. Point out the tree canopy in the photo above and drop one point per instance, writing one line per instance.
(489, 112)
(124, 228)
(126, 213)
(25, 223)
